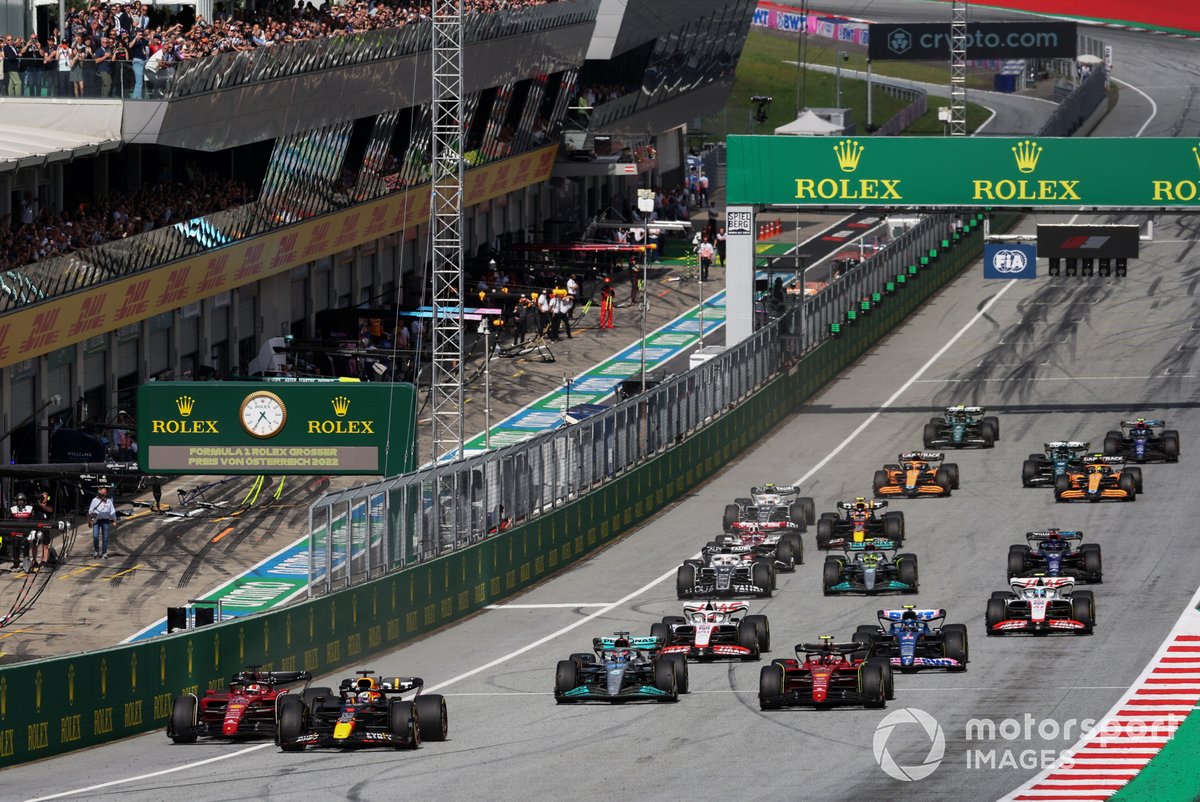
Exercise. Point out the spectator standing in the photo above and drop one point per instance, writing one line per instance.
(706, 257)
(139, 52)
(156, 69)
(565, 307)
(102, 516)
(702, 183)
(63, 57)
(721, 245)
(79, 53)
(21, 510)
(31, 67)
(104, 66)
(12, 65)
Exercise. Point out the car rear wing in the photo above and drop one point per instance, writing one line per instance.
(1041, 581)
(928, 456)
(1096, 459)
(781, 490)
(829, 647)
(849, 505)
(384, 685)
(1074, 445)
(922, 615)
(877, 543)
(716, 607)
(647, 643)
(1064, 534)
(968, 410)
(252, 674)
(1147, 422)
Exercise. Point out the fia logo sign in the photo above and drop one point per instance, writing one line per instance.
(1010, 261)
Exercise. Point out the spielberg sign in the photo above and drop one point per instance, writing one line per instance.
(927, 41)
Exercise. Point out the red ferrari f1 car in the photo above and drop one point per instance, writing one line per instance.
(826, 674)
(247, 709)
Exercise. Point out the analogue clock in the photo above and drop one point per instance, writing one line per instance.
(263, 414)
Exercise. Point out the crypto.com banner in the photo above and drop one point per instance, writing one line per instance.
(928, 41)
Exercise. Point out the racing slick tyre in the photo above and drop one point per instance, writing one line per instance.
(1001, 594)
(797, 547)
(682, 682)
(732, 516)
(431, 716)
(747, 636)
(291, 727)
(832, 574)
(942, 479)
(662, 632)
(995, 423)
(762, 629)
(1126, 483)
(906, 567)
(810, 509)
(824, 532)
(785, 553)
(1092, 564)
(665, 681)
(951, 468)
(930, 434)
(762, 576)
(1136, 473)
(566, 677)
(310, 696)
(1029, 471)
(879, 482)
(671, 620)
(889, 679)
(1112, 445)
(744, 502)
(865, 634)
(954, 644)
(685, 580)
(872, 685)
(1037, 457)
(828, 516)
(1016, 560)
(404, 724)
(893, 527)
(1170, 445)
(1083, 608)
(997, 611)
(579, 658)
(182, 727)
(770, 687)
(1062, 483)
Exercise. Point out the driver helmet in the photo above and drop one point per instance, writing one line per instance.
(909, 615)
(21, 499)
(1039, 593)
(860, 505)
(255, 687)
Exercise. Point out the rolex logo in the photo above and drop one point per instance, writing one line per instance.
(848, 153)
(1196, 153)
(185, 404)
(1027, 154)
(341, 405)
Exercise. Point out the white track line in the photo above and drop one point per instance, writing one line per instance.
(568, 605)
(1153, 105)
(587, 619)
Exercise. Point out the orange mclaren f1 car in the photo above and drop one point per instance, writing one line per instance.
(919, 473)
(1099, 478)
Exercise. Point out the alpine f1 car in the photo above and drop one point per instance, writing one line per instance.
(770, 507)
(960, 427)
(248, 708)
(826, 674)
(870, 567)
(1099, 478)
(622, 669)
(1041, 604)
(858, 523)
(1142, 440)
(919, 473)
(709, 630)
(784, 550)
(367, 710)
(911, 639)
(1040, 470)
(724, 574)
(1056, 552)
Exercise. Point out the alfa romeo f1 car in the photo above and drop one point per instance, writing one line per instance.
(724, 574)
(1055, 552)
(1099, 478)
(858, 523)
(870, 567)
(367, 710)
(709, 630)
(785, 550)
(825, 674)
(1138, 441)
(960, 427)
(247, 709)
(770, 507)
(1040, 470)
(1041, 604)
(919, 473)
(622, 669)
(911, 639)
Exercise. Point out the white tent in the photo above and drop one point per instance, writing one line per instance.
(809, 124)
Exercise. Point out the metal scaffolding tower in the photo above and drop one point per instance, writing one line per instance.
(958, 68)
(446, 218)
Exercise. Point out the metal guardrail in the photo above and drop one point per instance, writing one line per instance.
(916, 108)
(1078, 106)
(384, 526)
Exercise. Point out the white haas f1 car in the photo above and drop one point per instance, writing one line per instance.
(1041, 604)
(770, 507)
(724, 574)
(784, 550)
(709, 630)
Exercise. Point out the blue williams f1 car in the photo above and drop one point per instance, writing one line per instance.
(1056, 552)
(1142, 440)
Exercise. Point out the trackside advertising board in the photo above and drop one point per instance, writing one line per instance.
(929, 41)
(990, 172)
(1010, 260)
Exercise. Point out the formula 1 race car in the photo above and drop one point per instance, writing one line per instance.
(627, 669)
(246, 709)
(910, 643)
(1041, 604)
(785, 550)
(1055, 552)
(1099, 478)
(960, 427)
(367, 710)
(919, 473)
(708, 630)
(1139, 442)
(870, 567)
(769, 507)
(1040, 470)
(825, 674)
(725, 574)
(858, 524)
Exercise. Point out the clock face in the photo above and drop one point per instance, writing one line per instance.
(263, 414)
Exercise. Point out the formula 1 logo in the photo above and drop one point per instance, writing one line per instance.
(1010, 261)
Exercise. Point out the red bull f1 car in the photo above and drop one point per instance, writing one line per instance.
(1142, 440)
(1056, 552)
(1040, 605)
(918, 473)
(858, 523)
(961, 427)
(1099, 478)
(712, 630)
(770, 507)
(248, 709)
(622, 669)
(366, 711)
(913, 639)
(826, 674)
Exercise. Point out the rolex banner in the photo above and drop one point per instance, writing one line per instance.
(897, 172)
(276, 428)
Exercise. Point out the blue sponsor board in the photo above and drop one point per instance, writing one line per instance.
(1010, 260)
